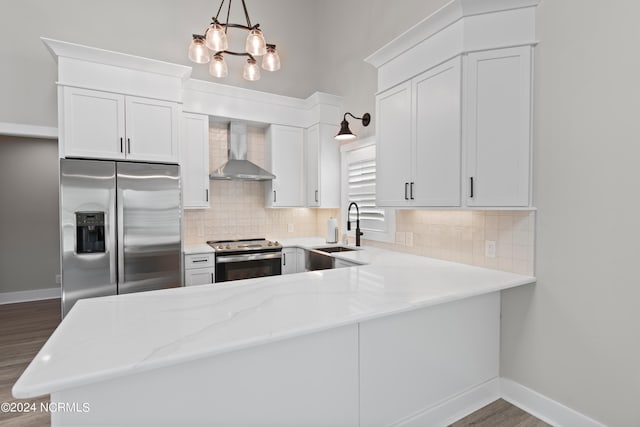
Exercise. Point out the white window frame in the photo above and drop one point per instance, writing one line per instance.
(389, 235)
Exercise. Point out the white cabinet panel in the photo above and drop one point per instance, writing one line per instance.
(393, 152)
(94, 124)
(301, 260)
(199, 269)
(194, 160)
(498, 116)
(104, 125)
(289, 261)
(412, 361)
(436, 117)
(152, 130)
(284, 157)
(322, 154)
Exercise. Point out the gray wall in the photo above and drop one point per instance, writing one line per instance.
(29, 236)
(575, 337)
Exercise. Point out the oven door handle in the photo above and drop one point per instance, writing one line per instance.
(247, 257)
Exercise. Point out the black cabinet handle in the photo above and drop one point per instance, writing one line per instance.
(471, 187)
(411, 190)
(212, 278)
(274, 196)
(206, 194)
(316, 196)
(200, 260)
(406, 188)
(284, 259)
(129, 145)
(121, 145)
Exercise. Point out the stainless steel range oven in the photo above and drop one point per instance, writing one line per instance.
(245, 259)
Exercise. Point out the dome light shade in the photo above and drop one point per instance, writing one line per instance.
(256, 45)
(216, 38)
(198, 51)
(271, 60)
(218, 67)
(251, 70)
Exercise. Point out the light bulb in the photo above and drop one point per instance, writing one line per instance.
(255, 43)
(271, 61)
(251, 70)
(198, 51)
(218, 67)
(216, 38)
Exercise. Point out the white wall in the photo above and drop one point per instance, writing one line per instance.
(575, 336)
(29, 232)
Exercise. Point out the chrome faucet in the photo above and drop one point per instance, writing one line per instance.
(358, 232)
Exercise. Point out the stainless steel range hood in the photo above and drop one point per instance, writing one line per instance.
(238, 167)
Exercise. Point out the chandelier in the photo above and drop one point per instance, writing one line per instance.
(213, 45)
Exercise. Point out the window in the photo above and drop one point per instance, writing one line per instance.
(359, 185)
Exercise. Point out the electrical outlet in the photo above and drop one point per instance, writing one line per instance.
(58, 279)
(290, 228)
(490, 248)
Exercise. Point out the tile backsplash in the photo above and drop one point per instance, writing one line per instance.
(237, 211)
(237, 207)
(461, 236)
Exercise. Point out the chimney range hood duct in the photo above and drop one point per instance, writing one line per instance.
(238, 167)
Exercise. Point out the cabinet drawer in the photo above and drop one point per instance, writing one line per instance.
(199, 276)
(198, 261)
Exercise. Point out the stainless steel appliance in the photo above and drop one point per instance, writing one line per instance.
(244, 259)
(119, 228)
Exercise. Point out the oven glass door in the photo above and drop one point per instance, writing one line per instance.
(247, 266)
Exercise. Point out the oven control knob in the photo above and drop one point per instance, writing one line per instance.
(270, 244)
(276, 243)
(228, 247)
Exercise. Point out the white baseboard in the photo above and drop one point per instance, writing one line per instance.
(456, 407)
(24, 296)
(541, 406)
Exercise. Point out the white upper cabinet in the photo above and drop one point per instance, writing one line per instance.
(152, 130)
(322, 167)
(93, 124)
(497, 127)
(104, 125)
(454, 108)
(284, 157)
(194, 160)
(418, 161)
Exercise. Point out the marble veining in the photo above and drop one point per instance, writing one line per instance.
(107, 337)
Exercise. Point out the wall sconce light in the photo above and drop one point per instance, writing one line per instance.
(345, 133)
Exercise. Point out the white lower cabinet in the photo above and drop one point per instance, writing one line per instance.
(293, 260)
(199, 269)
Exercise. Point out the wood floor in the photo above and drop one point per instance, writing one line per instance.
(25, 327)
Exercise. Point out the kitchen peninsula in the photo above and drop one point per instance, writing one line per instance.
(401, 339)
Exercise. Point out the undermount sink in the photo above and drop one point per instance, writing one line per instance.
(332, 249)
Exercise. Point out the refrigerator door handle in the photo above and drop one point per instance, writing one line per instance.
(120, 236)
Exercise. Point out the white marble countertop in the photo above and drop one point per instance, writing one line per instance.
(108, 337)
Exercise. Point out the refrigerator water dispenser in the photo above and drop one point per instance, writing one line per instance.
(90, 236)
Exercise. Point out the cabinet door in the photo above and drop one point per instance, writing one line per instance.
(322, 154)
(289, 261)
(312, 153)
(284, 156)
(94, 124)
(393, 159)
(497, 130)
(437, 139)
(152, 130)
(198, 276)
(194, 160)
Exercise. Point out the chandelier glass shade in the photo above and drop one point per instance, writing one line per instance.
(214, 45)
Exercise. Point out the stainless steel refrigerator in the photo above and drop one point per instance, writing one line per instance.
(120, 228)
